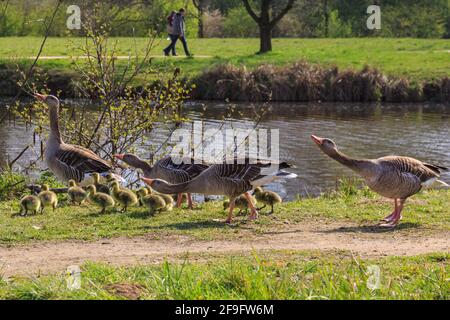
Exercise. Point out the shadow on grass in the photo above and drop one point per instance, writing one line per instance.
(374, 228)
(97, 214)
(205, 224)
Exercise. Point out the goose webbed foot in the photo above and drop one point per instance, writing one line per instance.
(393, 219)
(390, 217)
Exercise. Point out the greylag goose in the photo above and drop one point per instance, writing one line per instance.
(66, 161)
(393, 177)
(228, 179)
(167, 170)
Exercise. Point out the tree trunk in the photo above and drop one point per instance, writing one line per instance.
(200, 32)
(265, 35)
(327, 17)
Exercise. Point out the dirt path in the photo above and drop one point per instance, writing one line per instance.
(363, 241)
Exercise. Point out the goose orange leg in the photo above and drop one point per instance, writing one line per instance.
(230, 212)
(254, 212)
(396, 218)
(179, 200)
(389, 217)
(190, 203)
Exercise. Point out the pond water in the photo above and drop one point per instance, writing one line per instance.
(361, 130)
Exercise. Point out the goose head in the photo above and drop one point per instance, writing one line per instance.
(326, 145)
(132, 160)
(156, 184)
(91, 189)
(115, 186)
(72, 183)
(50, 100)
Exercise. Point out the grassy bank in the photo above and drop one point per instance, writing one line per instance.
(399, 70)
(428, 210)
(267, 275)
(417, 59)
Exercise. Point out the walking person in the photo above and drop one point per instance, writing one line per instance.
(173, 38)
(179, 30)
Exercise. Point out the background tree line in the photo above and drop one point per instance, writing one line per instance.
(229, 18)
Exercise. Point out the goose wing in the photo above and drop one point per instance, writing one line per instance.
(191, 167)
(407, 165)
(250, 169)
(77, 161)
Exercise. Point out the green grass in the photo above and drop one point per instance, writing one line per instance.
(428, 210)
(265, 275)
(417, 59)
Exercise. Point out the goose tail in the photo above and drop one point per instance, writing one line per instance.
(435, 184)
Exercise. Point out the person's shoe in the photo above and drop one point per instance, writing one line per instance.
(166, 53)
(174, 54)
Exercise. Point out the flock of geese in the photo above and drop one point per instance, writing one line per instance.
(394, 177)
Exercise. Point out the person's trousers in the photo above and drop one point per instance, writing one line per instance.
(172, 45)
(185, 46)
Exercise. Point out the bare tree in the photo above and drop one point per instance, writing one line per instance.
(268, 19)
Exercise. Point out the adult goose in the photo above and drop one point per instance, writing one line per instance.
(166, 169)
(66, 161)
(393, 177)
(231, 178)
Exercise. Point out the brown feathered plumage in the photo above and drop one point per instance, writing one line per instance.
(393, 177)
(66, 161)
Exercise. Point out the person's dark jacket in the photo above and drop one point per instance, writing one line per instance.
(179, 25)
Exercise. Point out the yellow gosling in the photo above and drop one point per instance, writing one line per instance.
(155, 203)
(267, 198)
(29, 203)
(168, 200)
(126, 198)
(48, 198)
(76, 194)
(103, 188)
(99, 199)
(241, 203)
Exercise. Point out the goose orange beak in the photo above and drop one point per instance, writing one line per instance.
(119, 156)
(317, 140)
(40, 97)
(148, 181)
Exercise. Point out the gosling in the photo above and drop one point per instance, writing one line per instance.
(241, 203)
(267, 198)
(126, 198)
(103, 188)
(142, 192)
(100, 199)
(155, 203)
(168, 200)
(76, 194)
(29, 203)
(48, 198)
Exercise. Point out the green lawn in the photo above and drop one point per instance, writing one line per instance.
(428, 210)
(417, 59)
(266, 275)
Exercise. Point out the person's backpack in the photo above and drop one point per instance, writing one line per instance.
(170, 20)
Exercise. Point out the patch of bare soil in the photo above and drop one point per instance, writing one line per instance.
(363, 241)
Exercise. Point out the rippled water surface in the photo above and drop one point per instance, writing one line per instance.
(361, 130)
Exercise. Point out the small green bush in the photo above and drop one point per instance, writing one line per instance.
(12, 185)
